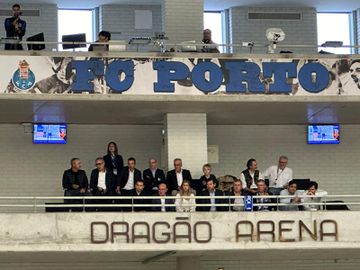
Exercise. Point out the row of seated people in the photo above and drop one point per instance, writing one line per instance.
(126, 176)
(103, 182)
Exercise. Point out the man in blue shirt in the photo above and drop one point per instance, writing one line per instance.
(15, 28)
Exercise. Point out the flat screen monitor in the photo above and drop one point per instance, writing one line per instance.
(39, 38)
(324, 134)
(50, 133)
(74, 38)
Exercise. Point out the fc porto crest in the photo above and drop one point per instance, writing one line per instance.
(23, 78)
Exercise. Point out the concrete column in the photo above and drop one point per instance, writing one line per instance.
(356, 30)
(186, 138)
(183, 20)
(186, 263)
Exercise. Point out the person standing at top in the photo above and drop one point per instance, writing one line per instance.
(114, 161)
(15, 28)
(207, 39)
(279, 176)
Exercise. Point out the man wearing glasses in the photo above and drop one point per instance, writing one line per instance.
(279, 176)
(102, 181)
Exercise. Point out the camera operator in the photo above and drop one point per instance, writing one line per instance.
(15, 28)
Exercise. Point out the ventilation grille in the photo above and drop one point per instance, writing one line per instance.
(25, 12)
(274, 16)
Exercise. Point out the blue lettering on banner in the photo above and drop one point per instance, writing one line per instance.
(168, 72)
(314, 77)
(113, 74)
(282, 72)
(242, 76)
(199, 80)
(241, 72)
(85, 74)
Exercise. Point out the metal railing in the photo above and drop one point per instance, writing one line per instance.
(179, 47)
(124, 203)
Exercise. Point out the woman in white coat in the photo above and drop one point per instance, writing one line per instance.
(185, 199)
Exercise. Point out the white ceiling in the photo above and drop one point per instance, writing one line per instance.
(220, 109)
(321, 5)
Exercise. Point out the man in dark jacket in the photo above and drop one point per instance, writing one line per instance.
(237, 203)
(213, 201)
(163, 204)
(153, 176)
(75, 183)
(129, 177)
(175, 177)
(139, 191)
(127, 182)
(102, 183)
(102, 180)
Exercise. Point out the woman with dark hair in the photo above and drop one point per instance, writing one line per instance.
(114, 161)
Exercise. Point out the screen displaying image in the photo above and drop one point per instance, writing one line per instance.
(323, 134)
(50, 134)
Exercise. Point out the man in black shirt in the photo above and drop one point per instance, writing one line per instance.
(15, 28)
(74, 181)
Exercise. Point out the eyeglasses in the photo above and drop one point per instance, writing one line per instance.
(97, 164)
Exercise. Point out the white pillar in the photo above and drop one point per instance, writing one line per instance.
(186, 138)
(188, 262)
(183, 20)
(356, 21)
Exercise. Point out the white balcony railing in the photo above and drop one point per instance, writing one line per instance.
(186, 47)
(119, 203)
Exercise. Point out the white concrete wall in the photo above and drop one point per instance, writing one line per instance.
(47, 22)
(121, 18)
(186, 138)
(183, 20)
(168, 264)
(37, 169)
(303, 32)
(333, 166)
(29, 169)
(78, 232)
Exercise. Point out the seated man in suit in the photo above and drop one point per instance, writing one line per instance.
(102, 182)
(139, 191)
(75, 183)
(262, 191)
(129, 176)
(213, 193)
(163, 204)
(153, 176)
(175, 177)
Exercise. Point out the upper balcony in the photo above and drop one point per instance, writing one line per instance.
(310, 88)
